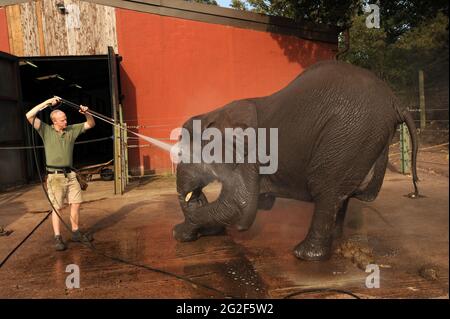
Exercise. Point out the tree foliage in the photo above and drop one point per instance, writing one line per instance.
(337, 13)
(213, 2)
(424, 47)
(413, 34)
(238, 4)
(400, 16)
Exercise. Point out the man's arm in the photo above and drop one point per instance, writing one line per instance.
(35, 110)
(90, 122)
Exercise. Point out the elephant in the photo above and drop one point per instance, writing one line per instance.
(335, 122)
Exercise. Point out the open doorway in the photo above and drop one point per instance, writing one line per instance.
(82, 80)
(87, 80)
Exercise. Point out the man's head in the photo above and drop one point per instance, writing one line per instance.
(59, 119)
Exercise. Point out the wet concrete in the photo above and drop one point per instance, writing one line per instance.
(406, 238)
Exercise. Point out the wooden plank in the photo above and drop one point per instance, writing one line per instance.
(54, 26)
(30, 29)
(112, 35)
(106, 27)
(15, 30)
(87, 29)
(98, 29)
(40, 28)
(73, 26)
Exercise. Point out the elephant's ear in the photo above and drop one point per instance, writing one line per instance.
(237, 114)
(241, 113)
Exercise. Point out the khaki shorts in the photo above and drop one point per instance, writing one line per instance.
(60, 187)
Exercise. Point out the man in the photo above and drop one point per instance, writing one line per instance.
(59, 140)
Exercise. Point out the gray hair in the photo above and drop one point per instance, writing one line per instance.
(54, 112)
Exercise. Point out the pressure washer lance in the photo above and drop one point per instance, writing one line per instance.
(165, 146)
(86, 242)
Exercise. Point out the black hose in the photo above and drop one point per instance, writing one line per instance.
(308, 291)
(24, 240)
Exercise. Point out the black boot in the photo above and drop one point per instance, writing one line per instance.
(59, 243)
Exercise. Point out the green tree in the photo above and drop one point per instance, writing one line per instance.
(238, 4)
(397, 16)
(424, 47)
(337, 13)
(400, 16)
(213, 2)
(367, 46)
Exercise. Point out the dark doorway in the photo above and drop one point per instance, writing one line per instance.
(81, 79)
(12, 155)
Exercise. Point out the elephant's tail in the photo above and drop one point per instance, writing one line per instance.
(409, 121)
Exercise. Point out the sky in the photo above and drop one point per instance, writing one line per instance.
(224, 3)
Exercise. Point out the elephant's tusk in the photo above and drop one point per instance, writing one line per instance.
(188, 197)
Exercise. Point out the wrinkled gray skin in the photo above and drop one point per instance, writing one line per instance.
(335, 122)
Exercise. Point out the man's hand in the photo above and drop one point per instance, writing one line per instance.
(83, 109)
(52, 102)
(31, 115)
(90, 123)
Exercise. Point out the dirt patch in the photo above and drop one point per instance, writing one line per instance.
(356, 250)
(429, 272)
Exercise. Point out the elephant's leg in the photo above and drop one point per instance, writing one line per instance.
(370, 192)
(340, 218)
(266, 201)
(317, 244)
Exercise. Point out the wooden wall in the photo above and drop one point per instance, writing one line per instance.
(37, 28)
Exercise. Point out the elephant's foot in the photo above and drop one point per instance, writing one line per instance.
(313, 250)
(212, 231)
(185, 232)
(266, 201)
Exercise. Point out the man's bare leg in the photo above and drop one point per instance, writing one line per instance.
(77, 236)
(55, 224)
(74, 215)
(59, 243)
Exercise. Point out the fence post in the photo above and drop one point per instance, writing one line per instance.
(422, 100)
(125, 149)
(405, 166)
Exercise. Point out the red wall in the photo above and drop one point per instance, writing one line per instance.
(173, 69)
(4, 42)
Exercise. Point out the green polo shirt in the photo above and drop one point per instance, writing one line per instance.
(59, 146)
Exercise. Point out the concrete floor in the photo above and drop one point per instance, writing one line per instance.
(408, 239)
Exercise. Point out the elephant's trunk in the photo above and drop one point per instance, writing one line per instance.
(237, 202)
